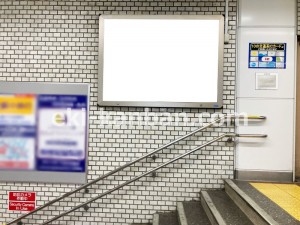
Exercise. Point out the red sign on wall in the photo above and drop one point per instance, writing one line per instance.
(21, 201)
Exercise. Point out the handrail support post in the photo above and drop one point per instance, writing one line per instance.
(154, 174)
(154, 157)
(230, 140)
(86, 207)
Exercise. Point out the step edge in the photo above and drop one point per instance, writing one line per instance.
(253, 205)
(181, 214)
(212, 209)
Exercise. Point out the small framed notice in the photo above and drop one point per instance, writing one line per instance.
(267, 55)
(266, 81)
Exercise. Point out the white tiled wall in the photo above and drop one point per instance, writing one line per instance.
(57, 41)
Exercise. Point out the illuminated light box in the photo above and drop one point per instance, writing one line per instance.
(43, 132)
(161, 61)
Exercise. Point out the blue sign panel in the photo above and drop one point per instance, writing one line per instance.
(267, 56)
(62, 133)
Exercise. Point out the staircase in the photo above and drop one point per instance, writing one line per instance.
(185, 210)
(238, 204)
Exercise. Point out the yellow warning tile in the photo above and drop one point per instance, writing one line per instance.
(292, 189)
(287, 196)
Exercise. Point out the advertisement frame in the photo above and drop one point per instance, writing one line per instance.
(39, 88)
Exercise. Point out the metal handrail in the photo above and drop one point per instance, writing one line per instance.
(253, 117)
(231, 135)
(133, 162)
(251, 135)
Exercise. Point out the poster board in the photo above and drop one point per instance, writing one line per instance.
(43, 132)
(267, 56)
(161, 60)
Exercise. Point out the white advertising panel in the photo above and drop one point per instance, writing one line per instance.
(161, 61)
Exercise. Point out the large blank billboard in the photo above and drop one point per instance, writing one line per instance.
(161, 61)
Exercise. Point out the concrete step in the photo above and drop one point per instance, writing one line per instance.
(221, 210)
(166, 218)
(259, 209)
(239, 204)
(192, 213)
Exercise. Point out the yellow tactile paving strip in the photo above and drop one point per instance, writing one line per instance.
(287, 196)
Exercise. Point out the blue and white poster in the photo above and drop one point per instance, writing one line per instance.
(43, 132)
(267, 55)
(62, 123)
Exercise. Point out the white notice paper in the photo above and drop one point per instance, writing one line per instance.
(265, 81)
